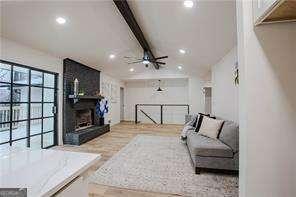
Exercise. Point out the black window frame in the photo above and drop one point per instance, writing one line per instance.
(11, 103)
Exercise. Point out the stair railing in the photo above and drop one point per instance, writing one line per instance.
(161, 111)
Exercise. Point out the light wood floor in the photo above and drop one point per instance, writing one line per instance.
(110, 143)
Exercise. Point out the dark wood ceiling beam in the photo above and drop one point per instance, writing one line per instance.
(129, 17)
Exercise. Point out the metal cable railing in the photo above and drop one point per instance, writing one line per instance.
(161, 109)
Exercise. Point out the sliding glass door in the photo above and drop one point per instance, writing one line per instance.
(28, 100)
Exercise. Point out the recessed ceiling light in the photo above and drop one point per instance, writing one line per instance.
(188, 4)
(131, 69)
(182, 51)
(180, 67)
(112, 56)
(60, 20)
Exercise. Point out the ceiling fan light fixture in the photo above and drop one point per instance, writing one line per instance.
(145, 62)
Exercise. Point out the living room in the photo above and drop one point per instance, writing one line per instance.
(147, 98)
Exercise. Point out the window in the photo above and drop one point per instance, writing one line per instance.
(27, 106)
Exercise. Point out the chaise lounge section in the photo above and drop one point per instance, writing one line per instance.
(210, 153)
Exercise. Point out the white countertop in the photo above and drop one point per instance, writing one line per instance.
(43, 172)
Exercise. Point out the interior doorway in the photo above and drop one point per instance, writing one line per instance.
(121, 103)
(208, 100)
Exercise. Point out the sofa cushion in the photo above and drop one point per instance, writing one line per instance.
(200, 145)
(210, 127)
(199, 121)
(230, 134)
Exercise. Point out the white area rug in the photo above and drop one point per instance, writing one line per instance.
(162, 164)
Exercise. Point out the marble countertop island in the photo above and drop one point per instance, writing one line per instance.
(42, 172)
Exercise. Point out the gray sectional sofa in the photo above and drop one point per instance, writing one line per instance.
(220, 153)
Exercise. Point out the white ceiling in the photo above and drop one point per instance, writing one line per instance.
(95, 29)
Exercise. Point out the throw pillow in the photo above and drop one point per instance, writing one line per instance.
(200, 118)
(193, 120)
(210, 127)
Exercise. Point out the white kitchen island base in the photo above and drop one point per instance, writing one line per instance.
(45, 172)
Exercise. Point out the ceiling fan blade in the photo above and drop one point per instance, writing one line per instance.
(134, 62)
(162, 63)
(135, 58)
(163, 57)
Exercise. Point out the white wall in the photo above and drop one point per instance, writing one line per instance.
(196, 96)
(267, 60)
(114, 107)
(17, 53)
(144, 92)
(224, 91)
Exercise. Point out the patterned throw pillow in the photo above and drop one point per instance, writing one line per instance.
(193, 120)
(185, 131)
(190, 125)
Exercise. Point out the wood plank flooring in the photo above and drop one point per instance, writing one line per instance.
(110, 143)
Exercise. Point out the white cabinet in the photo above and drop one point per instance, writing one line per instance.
(77, 188)
(261, 8)
(271, 11)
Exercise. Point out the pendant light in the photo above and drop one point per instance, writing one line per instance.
(159, 89)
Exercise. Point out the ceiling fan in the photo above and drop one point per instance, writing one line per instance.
(146, 60)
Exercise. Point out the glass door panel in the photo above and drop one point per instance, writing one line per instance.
(4, 92)
(5, 72)
(49, 80)
(48, 109)
(20, 75)
(35, 142)
(48, 124)
(36, 126)
(5, 113)
(36, 78)
(48, 139)
(36, 110)
(19, 111)
(20, 143)
(19, 130)
(28, 119)
(48, 95)
(20, 93)
(36, 94)
(4, 133)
